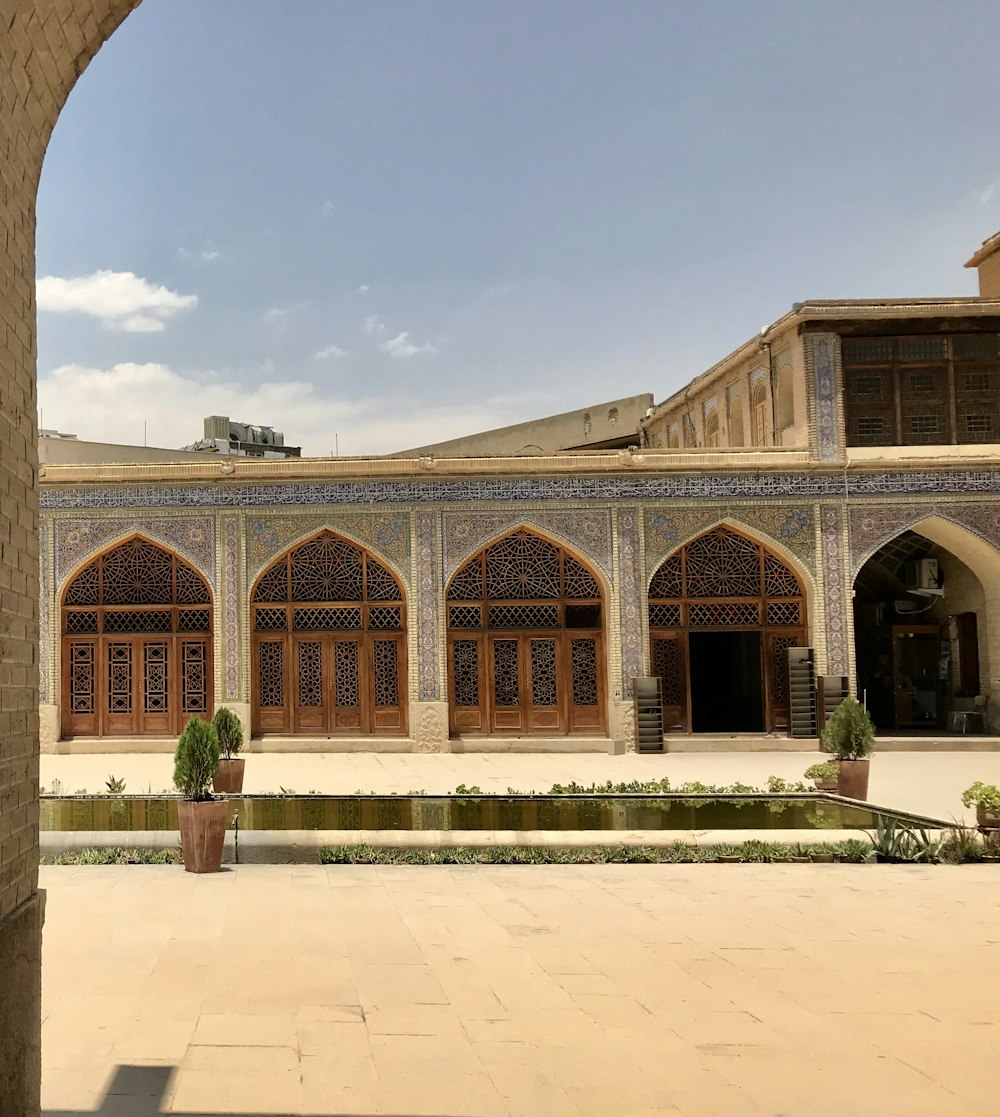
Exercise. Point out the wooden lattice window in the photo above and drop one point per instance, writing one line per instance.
(727, 579)
(525, 640)
(137, 587)
(758, 414)
(327, 584)
(136, 643)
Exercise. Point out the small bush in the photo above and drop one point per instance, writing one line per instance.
(119, 856)
(849, 733)
(196, 760)
(229, 730)
(984, 795)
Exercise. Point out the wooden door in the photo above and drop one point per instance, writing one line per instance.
(777, 711)
(669, 663)
(80, 687)
(543, 701)
(349, 680)
(585, 688)
(506, 675)
(121, 673)
(156, 700)
(271, 684)
(467, 683)
(387, 671)
(311, 674)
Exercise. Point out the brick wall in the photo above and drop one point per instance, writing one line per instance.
(46, 44)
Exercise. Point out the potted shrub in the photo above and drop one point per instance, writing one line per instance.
(229, 776)
(986, 799)
(850, 736)
(202, 819)
(825, 775)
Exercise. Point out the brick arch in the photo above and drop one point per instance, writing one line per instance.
(872, 526)
(47, 45)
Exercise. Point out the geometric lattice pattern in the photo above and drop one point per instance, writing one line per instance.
(585, 683)
(725, 579)
(543, 673)
(465, 665)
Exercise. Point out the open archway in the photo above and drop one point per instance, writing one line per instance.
(723, 611)
(329, 643)
(526, 641)
(924, 611)
(136, 645)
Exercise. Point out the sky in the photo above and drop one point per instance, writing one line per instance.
(383, 224)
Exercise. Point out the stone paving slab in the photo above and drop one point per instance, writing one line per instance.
(695, 991)
(925, 783)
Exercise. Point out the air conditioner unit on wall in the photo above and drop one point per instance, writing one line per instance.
(922, 576)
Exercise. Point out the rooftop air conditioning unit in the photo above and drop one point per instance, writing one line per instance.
(922, 577)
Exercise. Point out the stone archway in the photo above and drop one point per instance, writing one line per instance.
(926, 624)
(723, 611)
(47, 45)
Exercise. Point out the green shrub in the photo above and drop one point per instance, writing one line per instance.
(983, 795)
(119, 856)
(824, 771)
(230, 732)
(196, 760)
(849, 733)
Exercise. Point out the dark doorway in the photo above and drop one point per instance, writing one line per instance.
(726, 689)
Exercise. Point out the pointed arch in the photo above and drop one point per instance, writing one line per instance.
(526, 639)
(136, 624)
(741, 527)
(970, 526)
(728, 594)
(399, 573)
(586, 534)
(329, 641)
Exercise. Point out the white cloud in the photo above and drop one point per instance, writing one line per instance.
(364, 289)
(119, 300)
(987, 194)
(402, 348)
(373, 325)
(111, 405)
(331, 352)
(282, 313)
(327, 208)
(210, 254)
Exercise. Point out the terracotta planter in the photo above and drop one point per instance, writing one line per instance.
(203, 833)
(228, 779)
(853, 780)
(988, 818)
(827, 785)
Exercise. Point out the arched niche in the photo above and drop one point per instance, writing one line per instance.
(329, 642)
(525, 621)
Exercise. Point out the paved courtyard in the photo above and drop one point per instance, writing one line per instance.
(694, 991)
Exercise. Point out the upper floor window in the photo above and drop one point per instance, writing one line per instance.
(734, 414)
(690, 438)
(758, 414)
(913, 391)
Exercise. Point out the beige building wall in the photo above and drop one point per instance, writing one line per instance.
(987, 260)
(614, 422)
(75, 451)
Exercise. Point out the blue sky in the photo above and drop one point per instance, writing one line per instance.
(398, 222)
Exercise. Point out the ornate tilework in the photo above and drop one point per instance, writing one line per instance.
(872, 525)
(823, 358)
(790, 525)
(588, 532)
(737, 485)
(427, 590)
(757, 375)
(232, 615)
(193, 539)
(43, 612)
(629, 598)
(385, 533)
(831, 530)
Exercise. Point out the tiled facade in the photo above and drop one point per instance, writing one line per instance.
(623, 522)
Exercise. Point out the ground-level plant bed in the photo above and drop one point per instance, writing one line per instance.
(117, 855)
(750, 852)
